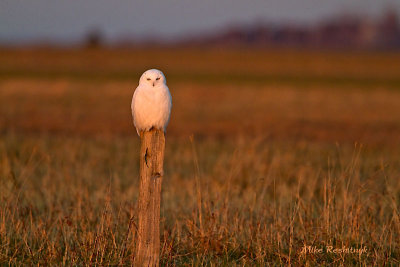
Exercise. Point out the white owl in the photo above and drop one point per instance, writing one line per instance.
(151, 102)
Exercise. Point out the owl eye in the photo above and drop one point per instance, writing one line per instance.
(158, 78)
(148, 79)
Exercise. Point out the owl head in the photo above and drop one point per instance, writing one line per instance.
(152, 78)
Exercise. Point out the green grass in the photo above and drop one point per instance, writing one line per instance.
(207, 78)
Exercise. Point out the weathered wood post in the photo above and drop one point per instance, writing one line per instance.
(151, 175)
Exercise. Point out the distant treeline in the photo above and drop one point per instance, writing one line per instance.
(347, 31)
(344, 31)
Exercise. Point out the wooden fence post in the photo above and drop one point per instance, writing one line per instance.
(151, 175)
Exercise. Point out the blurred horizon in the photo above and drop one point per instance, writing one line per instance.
(109, 23)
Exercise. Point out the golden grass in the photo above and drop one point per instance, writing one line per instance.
(272, 166)
(279, 112)
(72, 201)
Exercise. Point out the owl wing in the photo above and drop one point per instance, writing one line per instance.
(133, 109)
(169, 108)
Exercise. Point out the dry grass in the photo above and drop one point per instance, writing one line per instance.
(274, 164)
(279, 112)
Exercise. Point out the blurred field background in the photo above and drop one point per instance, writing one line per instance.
(220, 92)
(268, 150)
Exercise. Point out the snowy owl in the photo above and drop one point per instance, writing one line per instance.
(151, 102)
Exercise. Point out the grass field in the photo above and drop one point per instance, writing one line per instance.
(289, 149)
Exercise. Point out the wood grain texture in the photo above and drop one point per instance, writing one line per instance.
(151, 174)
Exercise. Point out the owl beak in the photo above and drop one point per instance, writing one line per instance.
(153, 84)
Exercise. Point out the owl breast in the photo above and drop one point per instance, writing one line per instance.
(151, 107)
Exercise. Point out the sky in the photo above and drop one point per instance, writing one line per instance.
(69, 20)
